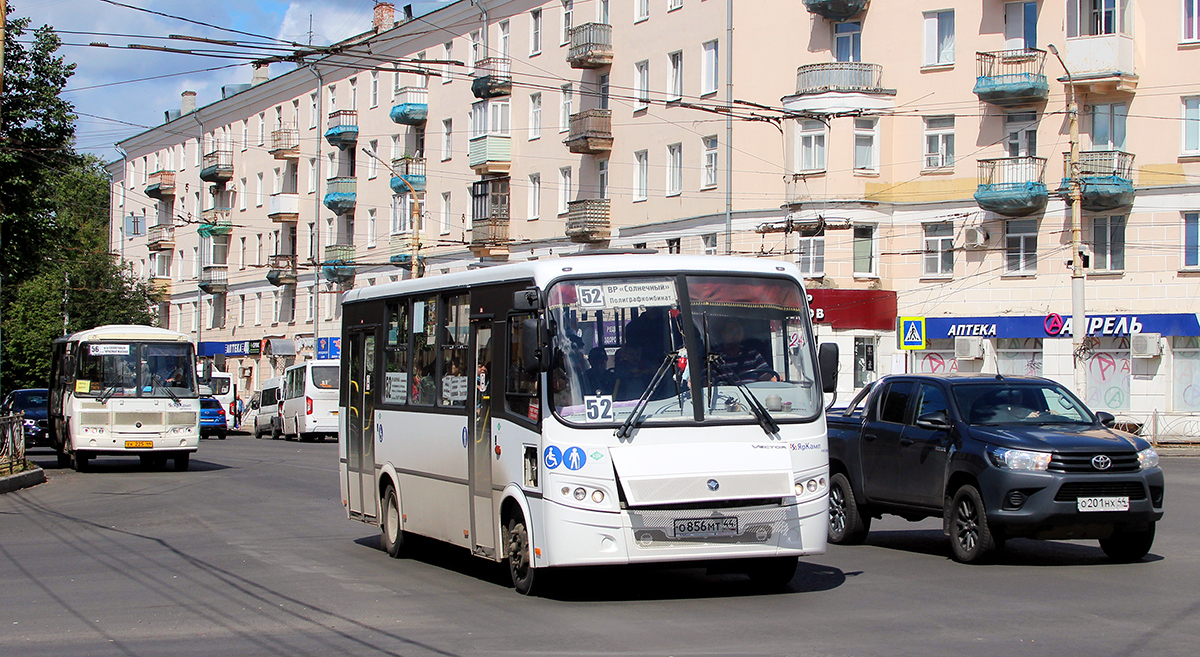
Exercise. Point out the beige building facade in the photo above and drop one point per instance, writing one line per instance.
(909, 156)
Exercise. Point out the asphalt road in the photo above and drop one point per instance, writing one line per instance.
(250, 553)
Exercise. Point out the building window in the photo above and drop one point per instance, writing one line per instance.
(535, 31)
(535, 116)
(641, 173)
(847, 41)
(1108, 374)
(675, 76)
(241, 194)
(448, 56)
(446, 215)
(258, 190)
(262, 128)
(810, 256)
(672, 5)
(1019, 356)
(866, 155)
(1022, 134)
(372, 159)
(535, 196)
(1097, 17)
(602, 90)
(1191, 125)
(710, 162)
(564, 111)
(811, 146)
(1108, 126)
(1191, 20)
(939, 38)
(710, 243)
(939, 249)
(710, 72)
(1020, 25)
(568, 7)
(564, 189)
(1191, 239)
(864, 360)
(447, 143)
(371, 229)
(673, 245)
(641, 77)
(245, 134)
(641, 10)
(601, 178)
(864, 250)
(1108, 243)
(503, 27)
(939, 142)
(674, 169)
(1020, 246)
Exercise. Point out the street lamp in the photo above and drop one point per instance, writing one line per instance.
(414, 272)
(1078, 319)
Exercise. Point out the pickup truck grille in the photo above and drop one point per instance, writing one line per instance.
(1082, 463)
(1073, 490)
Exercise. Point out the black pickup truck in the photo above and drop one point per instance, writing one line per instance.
(996, 457)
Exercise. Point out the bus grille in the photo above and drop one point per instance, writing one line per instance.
(93, 419)
(178, 418)
(134, 419)
(696, 488)
(655, 529)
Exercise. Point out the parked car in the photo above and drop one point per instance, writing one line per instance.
(34, 402)
(212, 418)
(310, 400)
(267, 418)
(996, 457)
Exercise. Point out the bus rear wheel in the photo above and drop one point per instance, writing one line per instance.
(80, 461)
(520, 562)
(181, 461)
(391, 534)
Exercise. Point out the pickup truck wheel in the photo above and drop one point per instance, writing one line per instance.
(847, 524)
(970, 537)
(1127, 546)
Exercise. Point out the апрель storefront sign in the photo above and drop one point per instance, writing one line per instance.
(1059, 326)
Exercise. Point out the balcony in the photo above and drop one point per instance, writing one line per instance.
(282, 269)
(340, 194)
(493, 77)
(160, 184)
(412, 106)
(214, 279)
(588, 220)
(215, 221)
(338, 266)
(410, 170)
(1106, 178)
(1100, 64)
(490, 154)
(1009, 78)
(284, 207)
(835, 10)
(217, 167)
(590, 132)
(160, 237)
(489, 218)
(591, 46)
(160, 285)
(342, 128)
(853, 77)
(1012, 186)
(285, 142)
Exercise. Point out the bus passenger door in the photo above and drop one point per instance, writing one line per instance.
(360, 425)
(480, 438)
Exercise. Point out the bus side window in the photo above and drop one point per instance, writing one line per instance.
(424, 367)
(520, 387)
(396, 367)
(454, 351)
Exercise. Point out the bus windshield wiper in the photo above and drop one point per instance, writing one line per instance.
(157, 383)
(760, 413)
(626, 429)
(108, 393)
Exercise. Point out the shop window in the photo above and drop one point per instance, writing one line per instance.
(864, 361)
(937, 357)
(1186, 379)
(1109, 371)
(1019, 356)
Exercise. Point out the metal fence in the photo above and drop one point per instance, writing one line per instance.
(12, 443)
(839, 76)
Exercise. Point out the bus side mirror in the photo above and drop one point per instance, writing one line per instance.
(827, 365)
(535, 350)
(526, 300)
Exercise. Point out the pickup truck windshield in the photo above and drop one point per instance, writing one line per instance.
(742, 346)
(1006, 402)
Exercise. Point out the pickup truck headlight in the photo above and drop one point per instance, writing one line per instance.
(1148, 458)
(1019, 459)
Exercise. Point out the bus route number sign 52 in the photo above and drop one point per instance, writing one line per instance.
(598, 408)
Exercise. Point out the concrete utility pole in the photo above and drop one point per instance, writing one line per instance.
(1078, 315)
(414, 271)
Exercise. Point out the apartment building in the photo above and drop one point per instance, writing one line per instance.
(908, 156)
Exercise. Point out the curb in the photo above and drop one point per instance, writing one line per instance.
(22, 480)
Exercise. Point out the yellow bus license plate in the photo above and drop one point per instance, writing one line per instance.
(135, 444)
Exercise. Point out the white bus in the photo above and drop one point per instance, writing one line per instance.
(310, 400)
(124, 391)
(601, 409)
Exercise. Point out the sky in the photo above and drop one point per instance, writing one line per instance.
(112, 96)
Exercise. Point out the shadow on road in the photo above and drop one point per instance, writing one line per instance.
(47, 460)
(1016, 552)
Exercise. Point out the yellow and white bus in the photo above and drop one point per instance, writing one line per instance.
(124, 390)
(601, 409)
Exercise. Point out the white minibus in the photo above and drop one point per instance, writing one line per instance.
(310, 400)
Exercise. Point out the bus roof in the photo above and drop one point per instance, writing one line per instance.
(127, 333)
(544, 272)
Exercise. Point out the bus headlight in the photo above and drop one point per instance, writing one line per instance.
(811, 487)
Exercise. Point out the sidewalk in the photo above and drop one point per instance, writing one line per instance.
(9, 483)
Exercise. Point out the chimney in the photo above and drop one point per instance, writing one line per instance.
(261, 73)
(385, 16)
(189, 102)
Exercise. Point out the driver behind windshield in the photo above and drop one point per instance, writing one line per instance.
(739, 360)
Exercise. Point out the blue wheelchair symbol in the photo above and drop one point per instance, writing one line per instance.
(553, 456)
(575, 458)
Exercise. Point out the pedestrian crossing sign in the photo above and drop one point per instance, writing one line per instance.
(912, 332)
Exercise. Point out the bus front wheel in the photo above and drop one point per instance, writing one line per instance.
(80, 461)
(181, 461)
(391, 534)
(520, 561)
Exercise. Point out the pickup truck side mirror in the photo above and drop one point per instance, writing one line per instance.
(827, 364)
(1106, 418)
(935, 421)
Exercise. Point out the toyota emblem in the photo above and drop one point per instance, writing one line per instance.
(1101, 462)
(713, 485)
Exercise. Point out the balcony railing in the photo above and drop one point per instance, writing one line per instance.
(410, 170)
(284, 207)
(839, 76)
(1012, 186)
(591, 46)
(217, 166)
(160, 237)
(590, 131)
(282, 269)
(835, 10)
(1106, 180)
(489, 231)
(493, 77)
(339, 263)
(340, 194)
(1118, 164)
(1011, 77)
(160, 184)
(488, 154)
(214, 278)
(412, 106)
(215, 221)
(285, 142)
(342, 128)
(588, 220)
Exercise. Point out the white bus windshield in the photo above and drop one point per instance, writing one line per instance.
(710, 351)
(111, 369)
